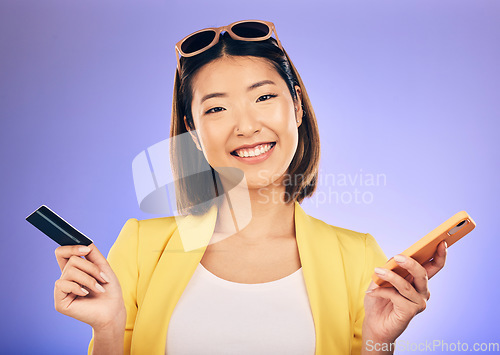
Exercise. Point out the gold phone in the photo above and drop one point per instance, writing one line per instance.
(451, 231)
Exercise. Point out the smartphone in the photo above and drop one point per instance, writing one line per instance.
(452, 230)
(57, 228)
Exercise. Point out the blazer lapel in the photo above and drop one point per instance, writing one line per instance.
(171, 276)
(324, 276)
(322, 267)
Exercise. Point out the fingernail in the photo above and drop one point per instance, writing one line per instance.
(84, 249)
(380, 271)
(369, 291)
(399, 258)
(100, 288)
(445, 244)
(84, 290)
(104, 276)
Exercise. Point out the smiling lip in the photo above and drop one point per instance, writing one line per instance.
(257, 159)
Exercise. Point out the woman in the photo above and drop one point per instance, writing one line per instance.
(244, 269)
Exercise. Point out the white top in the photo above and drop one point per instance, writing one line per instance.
(217, 316)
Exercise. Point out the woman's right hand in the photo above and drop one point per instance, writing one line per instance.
(99, 309)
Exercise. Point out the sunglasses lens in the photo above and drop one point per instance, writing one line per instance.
(251, 29)
(197, 41)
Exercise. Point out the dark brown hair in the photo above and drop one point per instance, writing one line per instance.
(195, 194)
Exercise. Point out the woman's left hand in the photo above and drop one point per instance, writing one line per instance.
(388, 310)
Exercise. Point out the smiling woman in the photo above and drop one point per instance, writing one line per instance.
(240, 271)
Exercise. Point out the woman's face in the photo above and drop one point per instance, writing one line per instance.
(242, 101)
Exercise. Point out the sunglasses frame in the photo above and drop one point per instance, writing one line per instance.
(218, 31)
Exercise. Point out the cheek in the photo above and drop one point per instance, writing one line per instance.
(213, 138)
(287, 124)
(289, 130)
(287, 113)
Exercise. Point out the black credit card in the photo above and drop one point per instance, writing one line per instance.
(57, 228)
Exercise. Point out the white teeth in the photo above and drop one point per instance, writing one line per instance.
(260, 149)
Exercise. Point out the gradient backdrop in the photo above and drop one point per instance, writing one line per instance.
(408, 90)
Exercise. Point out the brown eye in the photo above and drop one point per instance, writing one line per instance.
(269, 95)
(211, 110)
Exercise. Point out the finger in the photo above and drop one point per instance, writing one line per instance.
(64, 252)
(399, 302)
(82, 278)
(438, 260)
(418, 272)
(63, 288)
(400, 284)
(372, 286)
(87, 267)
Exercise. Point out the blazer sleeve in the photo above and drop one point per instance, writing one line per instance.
(122, 258)
(374, 257)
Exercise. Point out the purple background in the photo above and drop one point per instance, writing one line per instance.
(408, 89)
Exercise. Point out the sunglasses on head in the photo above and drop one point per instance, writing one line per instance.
(245, 30)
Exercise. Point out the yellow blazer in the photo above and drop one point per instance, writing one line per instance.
(153, 268)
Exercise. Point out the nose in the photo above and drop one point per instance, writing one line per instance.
(247, 123)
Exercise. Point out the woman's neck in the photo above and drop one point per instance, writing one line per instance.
(255, 214)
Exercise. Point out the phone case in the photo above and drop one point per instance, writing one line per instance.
(452, 230)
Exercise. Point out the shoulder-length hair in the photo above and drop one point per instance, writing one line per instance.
(196, 193)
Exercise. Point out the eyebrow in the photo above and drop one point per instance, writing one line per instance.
(251, 87)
